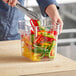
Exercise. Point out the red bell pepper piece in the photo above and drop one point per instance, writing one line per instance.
(32, 32)
(32, 47)
(52, 53)
(34, 22)
(39, 38)
(48, 32)
(22, 36)
(52, 32)
(32, 25)
(48, 39)
(55, 33)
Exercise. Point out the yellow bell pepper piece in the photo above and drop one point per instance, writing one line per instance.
(45, 44)
(26, 40)
(29, 54)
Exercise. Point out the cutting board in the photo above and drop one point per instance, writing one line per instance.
(13, 64)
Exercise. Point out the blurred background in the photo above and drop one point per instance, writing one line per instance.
(67, 40)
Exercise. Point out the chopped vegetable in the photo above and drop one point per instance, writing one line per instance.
(40, 46)
(32, 32)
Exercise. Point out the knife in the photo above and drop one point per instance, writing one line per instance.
(29, 13)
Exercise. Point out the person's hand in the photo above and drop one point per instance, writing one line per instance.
(11, 2)
(53, 13)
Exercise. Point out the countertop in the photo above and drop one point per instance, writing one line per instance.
(13, 64)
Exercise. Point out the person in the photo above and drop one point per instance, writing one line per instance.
(9, 16)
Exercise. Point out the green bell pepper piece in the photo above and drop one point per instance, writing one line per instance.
(40, 27)
(43, 54)
(32, 38)
(52, 46)
(39, 49)
(50, 36)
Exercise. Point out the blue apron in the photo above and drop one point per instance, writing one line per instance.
(9, 17)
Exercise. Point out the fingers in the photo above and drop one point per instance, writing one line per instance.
(60, 22)
(11, 2)
(6, 1)
(14, 2)
(55, 21)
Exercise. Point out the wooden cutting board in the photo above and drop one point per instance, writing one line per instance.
(13, 64)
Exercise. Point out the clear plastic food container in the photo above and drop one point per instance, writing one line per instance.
(38, 39)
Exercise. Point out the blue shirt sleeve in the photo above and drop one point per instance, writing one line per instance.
(44, 3)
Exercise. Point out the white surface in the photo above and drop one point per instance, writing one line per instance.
(69, 31)
(34, 3)
(65, 1)
(71, 40)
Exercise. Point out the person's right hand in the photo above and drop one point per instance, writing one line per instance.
(11, 2)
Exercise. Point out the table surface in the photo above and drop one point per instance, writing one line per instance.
(13, 64)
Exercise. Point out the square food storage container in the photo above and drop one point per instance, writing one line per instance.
(38, 39)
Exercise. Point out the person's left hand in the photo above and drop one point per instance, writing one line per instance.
(11, 2)
(53, 13)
